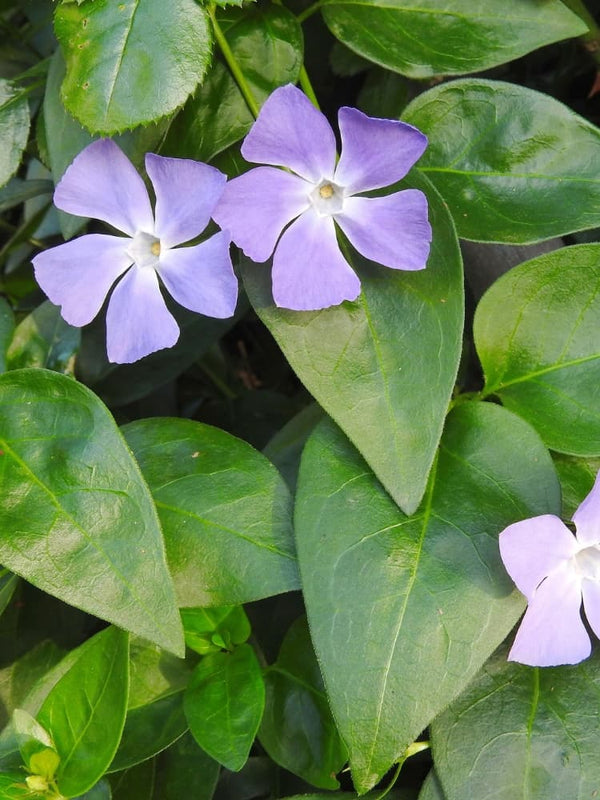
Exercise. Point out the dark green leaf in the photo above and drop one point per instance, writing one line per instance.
(101, 791)
(513, 165)
(8, 584)
(384, 366)
(421, 38)
(404, 610)
(150, 729)
(577, 476)
(432, 789)
(14, 128)
(17, 191)
(81, 524)
(7, 327)
(537, 332)
(185, 770)
(131, 62)
(285, 448)
(85, 711)
(267, 43)
(224, 704)
(136, 783)
(225, 511)
(297, 730)
(535, 720)
(44, 339)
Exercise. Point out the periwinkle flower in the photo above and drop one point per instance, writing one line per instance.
(309, 270)
(78, 275)
(556, 571)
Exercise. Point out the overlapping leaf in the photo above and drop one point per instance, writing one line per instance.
(404, 610)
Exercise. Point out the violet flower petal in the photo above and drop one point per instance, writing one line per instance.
(590, 591)
(375, 152)
(534, 548)
(201, 278)
(391, 230)
(257, 206)
(138, 321)
(291, 132)
(186, 194)
(77, 275)
(587, 516)
(552, 632)
(103, 183)
(309, 271)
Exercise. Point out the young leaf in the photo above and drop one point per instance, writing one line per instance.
(224, 704)
(225, 511)
(208, 630)
(131, 62)
(81, 524)
(513, 165)
(404, 610)
(297, 730)
(384, 366)
(537, 332)
(536, 720)
(85, 711)
(421, 38)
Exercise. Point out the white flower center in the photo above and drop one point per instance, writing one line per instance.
(144, 248)
(587, 562)
(327, 198)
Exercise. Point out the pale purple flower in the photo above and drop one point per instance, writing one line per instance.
(556, 571)
(78, 275)
(309, 269)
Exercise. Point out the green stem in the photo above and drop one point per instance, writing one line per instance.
(233, 64)
(308, 12)
(307, 87)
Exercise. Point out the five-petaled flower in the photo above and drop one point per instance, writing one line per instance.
(102, 183)
(309, 270)
(556, 571)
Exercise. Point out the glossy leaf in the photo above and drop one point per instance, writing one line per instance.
(224, 704)
(421, 38)
(81, 524)
(185, 770)
(404, 610)
(536, 720)
(267, 41)
(384, 366)
(14, 128)
(513, 165)
(537, 332)
(297, 730)
(114, 79)
(84, 713)
(224, 509)
(44, 339)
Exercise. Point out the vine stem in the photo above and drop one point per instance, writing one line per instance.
(308, 12)
(232, 63)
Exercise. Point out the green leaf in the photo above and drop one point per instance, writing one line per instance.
(81, 524)
(131, 62)
(17, 191)
(224, 704)
(150, 729)
(432, 789)
(207, 630)
(298, 731)
(421, 38)
(101, 791)
(225, 512)
(7, 327)
(136, 783)
(44, 339)
(31, 737)
(384, 366)
(537, 332)
(513, 165)
(267, 42)
(535, 720)
(577, 476)
(404, 610)
(185, 770)
(13, 787)
(285, 448)
(8, 584)
(154, 673)
(85, 711)
(14, 128)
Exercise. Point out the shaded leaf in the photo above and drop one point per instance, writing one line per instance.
(44, 339)
(14, 128)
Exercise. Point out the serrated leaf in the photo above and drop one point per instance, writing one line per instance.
(225, 512)
(384, 366)
(131, 62)
(421, 38)
(536, 720)
(80, 523)
(537, 332)
(513, 165)
(422, 600)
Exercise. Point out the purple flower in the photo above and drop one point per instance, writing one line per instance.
(102, 183)
(556, 571)
(309, 270)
